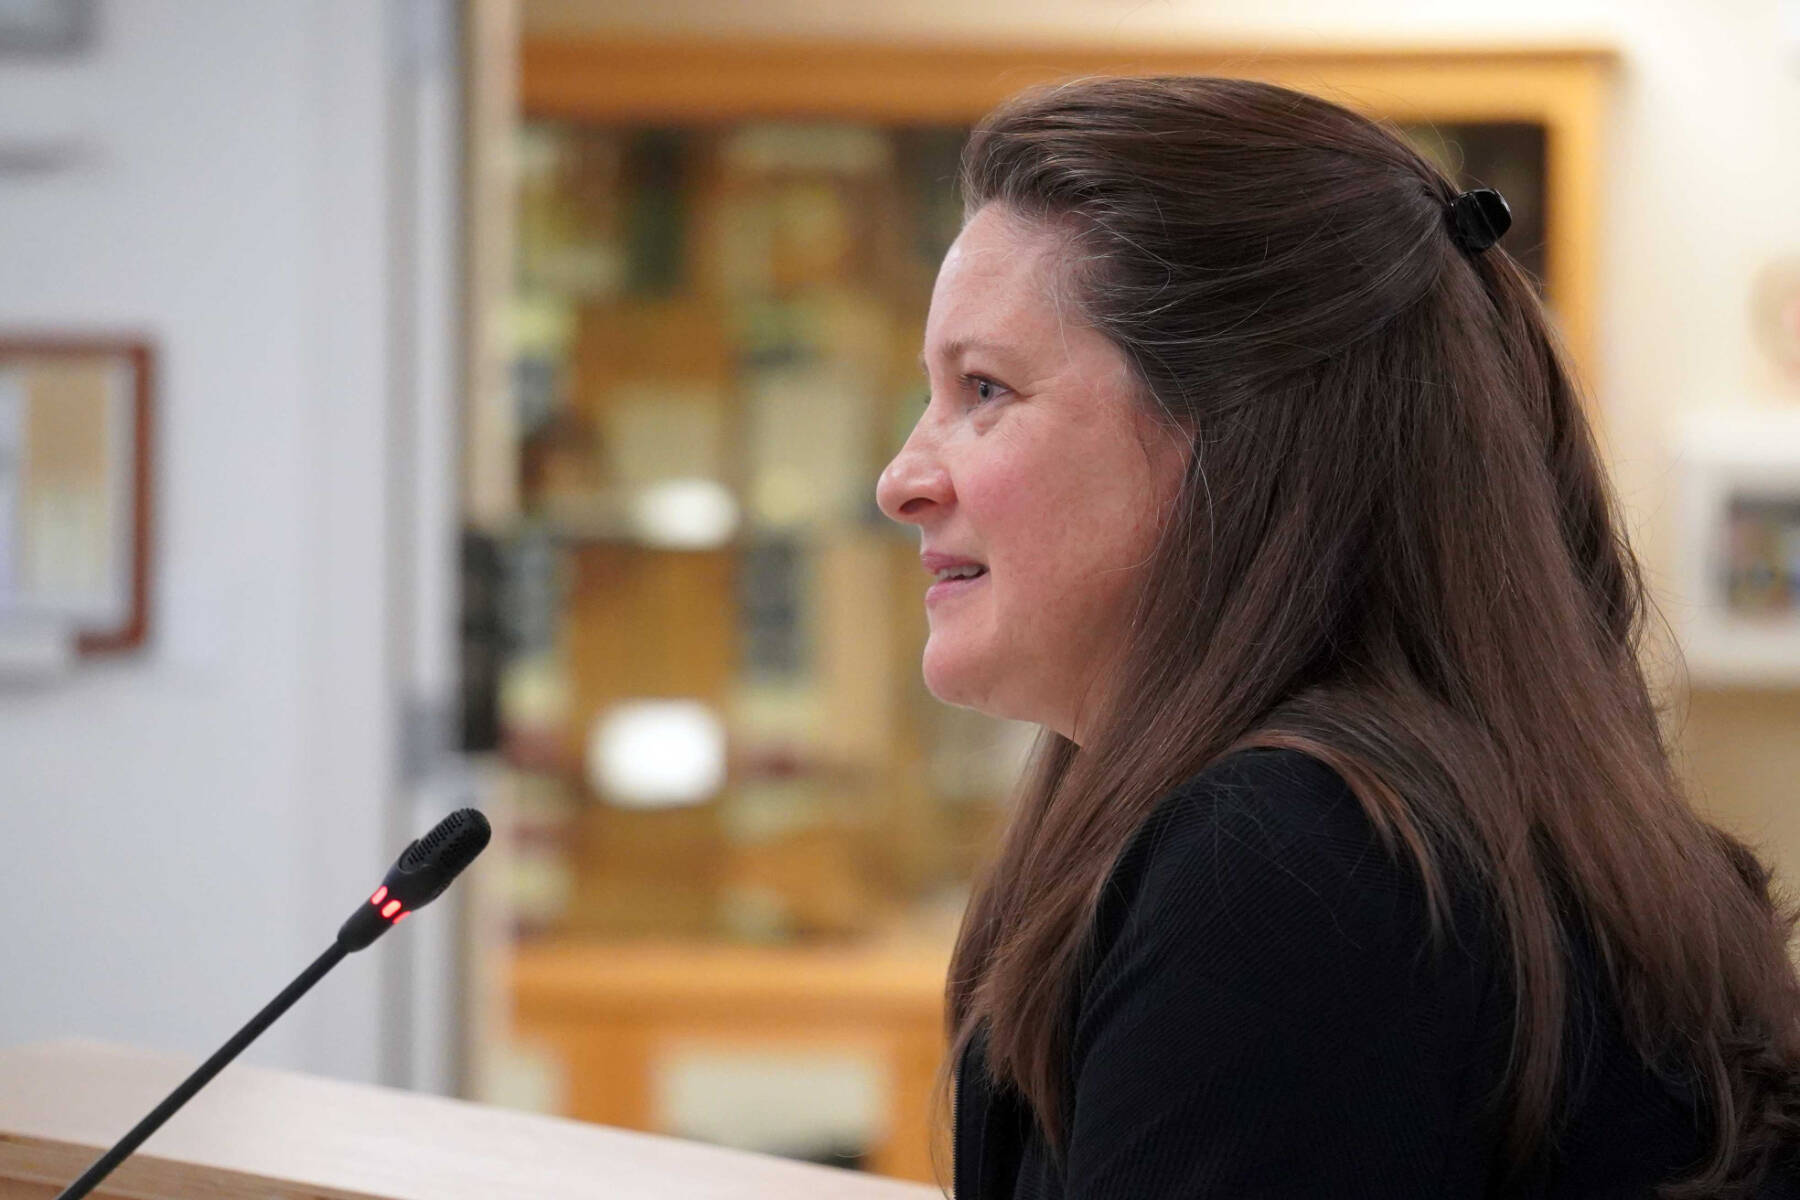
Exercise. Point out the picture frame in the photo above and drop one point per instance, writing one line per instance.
(1738, 547)
(45, 28)
(76, 418)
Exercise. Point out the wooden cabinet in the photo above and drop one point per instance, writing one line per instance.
(612, 1013)
(760, 331)
(1561, 88)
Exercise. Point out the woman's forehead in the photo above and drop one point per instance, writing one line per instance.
(998, 291)
(995, 248)
(952, 348)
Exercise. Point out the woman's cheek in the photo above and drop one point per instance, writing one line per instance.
(1007, 497)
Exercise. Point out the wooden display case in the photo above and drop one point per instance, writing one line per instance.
(649, 621)
(1562, 88)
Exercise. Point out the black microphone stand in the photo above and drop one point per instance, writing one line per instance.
(424, 870)
(103, 1166)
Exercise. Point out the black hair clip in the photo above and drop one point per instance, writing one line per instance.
(1478, 218)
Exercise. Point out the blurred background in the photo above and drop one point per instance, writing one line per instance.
(415, 403)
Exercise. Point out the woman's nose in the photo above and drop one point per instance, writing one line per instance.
(912, 484)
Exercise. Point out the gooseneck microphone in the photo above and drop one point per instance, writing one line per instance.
(424, 869)
(420, 876)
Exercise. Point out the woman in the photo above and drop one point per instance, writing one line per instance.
(1350, 861)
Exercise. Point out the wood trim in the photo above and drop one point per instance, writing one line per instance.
(489, 469)
(666, 979)
(625, 77)
(278, 1135)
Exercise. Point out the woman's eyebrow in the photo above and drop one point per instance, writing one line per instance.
(955, 348)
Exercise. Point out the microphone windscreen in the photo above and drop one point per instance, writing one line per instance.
(427, 866)
(452, 843)
(424, 869)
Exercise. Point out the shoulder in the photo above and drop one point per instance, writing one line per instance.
(1263, 872)
(1274, 822)
(1262, 964)
(1285, 791)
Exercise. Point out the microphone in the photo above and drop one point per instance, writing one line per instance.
(424, 869)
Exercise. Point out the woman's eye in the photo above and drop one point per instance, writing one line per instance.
(983, 388)
(980, 386)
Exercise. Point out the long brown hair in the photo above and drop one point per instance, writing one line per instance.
(1394, 548)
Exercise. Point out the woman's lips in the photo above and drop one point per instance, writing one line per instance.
(947, 588)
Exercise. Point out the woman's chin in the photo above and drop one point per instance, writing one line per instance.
(946, 677)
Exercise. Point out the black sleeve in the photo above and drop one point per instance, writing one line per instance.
(1265, 1021)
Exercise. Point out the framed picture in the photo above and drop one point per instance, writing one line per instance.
(45, 28)
(1738, 547)
(75, 425)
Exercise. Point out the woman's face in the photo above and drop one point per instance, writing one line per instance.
(1032, 459)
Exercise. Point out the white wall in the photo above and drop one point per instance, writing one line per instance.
(182, 831)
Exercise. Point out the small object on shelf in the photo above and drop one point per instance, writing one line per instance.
(534, 708)
(656, 754)
(685, 514)
(1738, 554)
(1775, 312)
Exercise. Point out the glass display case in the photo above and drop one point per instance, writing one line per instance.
(715, 332)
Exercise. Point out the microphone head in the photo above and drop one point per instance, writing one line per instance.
(425, 868)
(451, 845)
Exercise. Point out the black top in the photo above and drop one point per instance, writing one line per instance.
(1262, 1018)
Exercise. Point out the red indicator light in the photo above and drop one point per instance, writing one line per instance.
(379, 896)
(392, 907)
(403, 916)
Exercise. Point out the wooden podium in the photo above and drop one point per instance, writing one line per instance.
(258, 1134)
